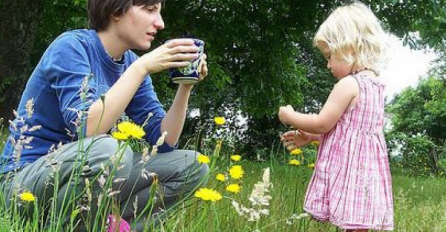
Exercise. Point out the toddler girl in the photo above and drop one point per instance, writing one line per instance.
(351, 185)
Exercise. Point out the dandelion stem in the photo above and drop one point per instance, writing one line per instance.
(295, 195)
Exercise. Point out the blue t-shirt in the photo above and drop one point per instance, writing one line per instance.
(57, 97)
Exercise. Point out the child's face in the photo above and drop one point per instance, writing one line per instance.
(335, 63)
(138, 26)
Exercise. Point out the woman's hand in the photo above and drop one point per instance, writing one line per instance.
(295, 138)
(175, 53)
(203, 69)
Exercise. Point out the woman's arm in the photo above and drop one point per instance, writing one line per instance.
(175, 53)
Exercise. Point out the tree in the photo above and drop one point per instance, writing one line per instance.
(27, 27)
(426, 18)
(256, 56)
(417, 118)
(18, 26)
(260, 54)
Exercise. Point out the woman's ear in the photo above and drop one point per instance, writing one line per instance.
(115, 17)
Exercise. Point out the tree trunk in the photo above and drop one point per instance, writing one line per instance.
(18, 28)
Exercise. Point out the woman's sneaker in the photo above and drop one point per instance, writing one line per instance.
(116, 224)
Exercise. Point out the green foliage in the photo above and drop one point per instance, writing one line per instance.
(418, 153)
(257, 63)
(428, 18)
(260, 54)
(418, 129)
(421, 110)
(58, 16)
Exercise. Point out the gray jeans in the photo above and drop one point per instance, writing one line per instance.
(98, 160)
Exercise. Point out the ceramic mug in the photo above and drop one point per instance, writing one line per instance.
(190, 73)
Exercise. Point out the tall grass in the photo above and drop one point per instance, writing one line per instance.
(420, 203)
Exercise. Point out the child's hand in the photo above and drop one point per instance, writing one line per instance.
(285, 114)
(295, 138)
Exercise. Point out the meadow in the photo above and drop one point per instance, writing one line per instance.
(420, 202)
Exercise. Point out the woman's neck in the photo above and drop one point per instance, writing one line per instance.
(112, 44)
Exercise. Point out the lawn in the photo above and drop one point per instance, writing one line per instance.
(420, 203)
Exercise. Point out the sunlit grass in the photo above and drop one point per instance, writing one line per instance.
(420, 203)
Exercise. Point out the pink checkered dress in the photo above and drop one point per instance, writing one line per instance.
(351, 186)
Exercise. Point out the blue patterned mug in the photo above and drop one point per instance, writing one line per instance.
(190, 73)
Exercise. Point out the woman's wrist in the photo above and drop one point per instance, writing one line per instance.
(187, 87)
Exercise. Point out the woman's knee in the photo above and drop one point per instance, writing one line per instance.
(107, 152)
(195, 171)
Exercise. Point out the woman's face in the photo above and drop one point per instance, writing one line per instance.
(139, 25)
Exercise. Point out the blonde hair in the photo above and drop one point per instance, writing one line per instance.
(353, 29)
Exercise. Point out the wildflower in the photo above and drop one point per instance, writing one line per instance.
(315, 143)
(233, 188)
(88, 190)
(159, 142)
(145, 155)
(295, 217)
(147, 175)
(219, 120)
(258, 195)
(294, 162)
(259, 199)
(207, 194)
(203, 159)
(236, 157)
(220, 177)
(131, 129)
(120, 136)
(27, 196)
(236, 172)
(29, 107)
(311, 165)
(296, 151)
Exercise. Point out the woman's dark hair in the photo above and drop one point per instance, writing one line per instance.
(100, 11)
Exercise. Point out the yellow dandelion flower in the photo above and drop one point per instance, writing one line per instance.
(233, 188)
(132, 129)
(294, 162)
(220, 177)
(120, 135)
(311, 165)
(203, 159)
(296, 151)
(236, 172)
(315, 143)
(27, 196)
(236, 157)
(207, 194)
(219, 120)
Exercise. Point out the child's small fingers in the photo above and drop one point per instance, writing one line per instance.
(291, 147)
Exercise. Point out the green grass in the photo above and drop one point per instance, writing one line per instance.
(420, 203)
